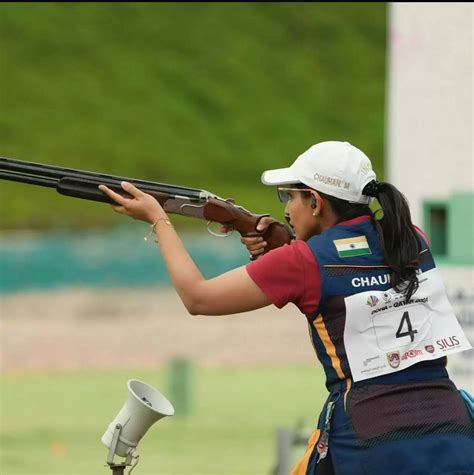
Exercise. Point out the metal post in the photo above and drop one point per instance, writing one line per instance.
(118, 469)
(180, 385)
(284, 443)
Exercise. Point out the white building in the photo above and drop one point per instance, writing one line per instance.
(430, 143)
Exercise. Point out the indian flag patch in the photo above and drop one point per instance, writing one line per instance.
(350, 247)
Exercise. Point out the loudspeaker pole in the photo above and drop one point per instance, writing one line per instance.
(118, 468)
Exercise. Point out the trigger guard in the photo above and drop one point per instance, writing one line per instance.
(213, 233)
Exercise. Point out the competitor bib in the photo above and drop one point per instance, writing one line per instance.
(384, 333)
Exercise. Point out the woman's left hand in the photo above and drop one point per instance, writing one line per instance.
(142, 206)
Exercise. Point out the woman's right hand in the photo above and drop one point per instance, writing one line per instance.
(255, 244)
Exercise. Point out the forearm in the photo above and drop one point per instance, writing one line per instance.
(183, 272)
(233, 292)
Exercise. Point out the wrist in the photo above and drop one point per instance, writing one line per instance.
(157, 217)
(153, 226)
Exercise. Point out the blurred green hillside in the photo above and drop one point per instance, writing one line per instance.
(205, 95)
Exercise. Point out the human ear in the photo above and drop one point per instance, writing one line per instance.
(316, 203)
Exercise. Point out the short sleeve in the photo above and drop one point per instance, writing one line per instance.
(289, 274)
(422, 234)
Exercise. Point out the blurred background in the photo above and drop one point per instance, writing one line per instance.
(204, 95)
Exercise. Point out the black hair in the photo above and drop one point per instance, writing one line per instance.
(399, 240)
(344, 210)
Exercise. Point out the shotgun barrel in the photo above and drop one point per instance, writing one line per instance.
(66, 179)
(175, 199)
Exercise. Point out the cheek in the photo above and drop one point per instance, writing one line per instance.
(297, 214)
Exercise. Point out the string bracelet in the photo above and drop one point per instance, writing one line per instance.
(153, 227)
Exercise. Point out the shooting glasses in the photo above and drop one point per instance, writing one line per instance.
(284, 195)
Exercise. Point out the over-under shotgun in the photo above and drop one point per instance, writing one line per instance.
(174, 199)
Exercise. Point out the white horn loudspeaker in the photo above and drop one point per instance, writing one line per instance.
(143, 407)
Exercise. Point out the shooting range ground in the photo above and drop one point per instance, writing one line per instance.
(52, 422)
(68, 353)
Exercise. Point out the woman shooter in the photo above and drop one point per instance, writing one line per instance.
(376, 308)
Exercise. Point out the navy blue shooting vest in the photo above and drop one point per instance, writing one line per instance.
(345, 276)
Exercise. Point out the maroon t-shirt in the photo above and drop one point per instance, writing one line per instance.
(284, 273)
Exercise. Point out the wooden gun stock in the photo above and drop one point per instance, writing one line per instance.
(246, 223)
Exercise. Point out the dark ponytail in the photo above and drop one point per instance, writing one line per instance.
(398, 238)
(400, 242)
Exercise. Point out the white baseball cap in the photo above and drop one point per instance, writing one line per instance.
(336, 168)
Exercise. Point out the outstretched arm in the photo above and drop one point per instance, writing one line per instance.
(232, 292)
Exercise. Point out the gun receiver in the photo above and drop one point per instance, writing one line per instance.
(180, 200)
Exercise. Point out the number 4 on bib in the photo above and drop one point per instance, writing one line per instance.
(410, 332)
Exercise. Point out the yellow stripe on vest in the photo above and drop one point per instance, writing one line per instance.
(302, 466)
(328, 345)
(348, 388)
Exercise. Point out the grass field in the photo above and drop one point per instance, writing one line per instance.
(205, 95)
(53, 423)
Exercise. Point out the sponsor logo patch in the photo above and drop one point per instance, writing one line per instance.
(372, 301)
(393, 359)
(446, 344)
(386, 297)
(411, 354)
(430, 348)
